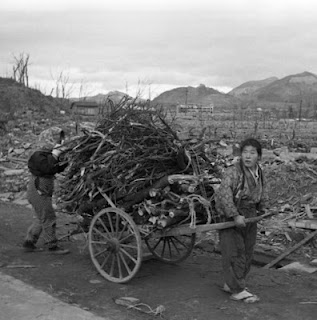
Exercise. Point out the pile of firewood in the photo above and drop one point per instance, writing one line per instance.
(134, 160)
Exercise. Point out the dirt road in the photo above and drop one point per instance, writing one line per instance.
(188, 291)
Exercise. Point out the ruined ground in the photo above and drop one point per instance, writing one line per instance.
(188, 291)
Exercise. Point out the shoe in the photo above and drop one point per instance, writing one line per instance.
(58, 250)
(29, 246)
(245, 296)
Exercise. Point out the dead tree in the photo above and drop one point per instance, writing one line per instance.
(20, 69)
(63, 87)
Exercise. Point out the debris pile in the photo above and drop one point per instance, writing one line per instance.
(292, 186)
(291, 183)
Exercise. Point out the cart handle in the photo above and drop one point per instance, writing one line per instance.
(184, 230)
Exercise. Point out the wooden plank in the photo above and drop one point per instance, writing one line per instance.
(184, 230)
(308, 211)
(305, 224)
(290, 250)
(15, 159)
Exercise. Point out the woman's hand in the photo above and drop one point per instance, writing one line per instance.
(239, 221)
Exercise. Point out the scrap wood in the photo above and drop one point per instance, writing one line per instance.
(290, 250)
(312, 170)
(126, 301)
(299, 267)
(287, 236)
(307, 197)
(123, 159)
(305, 224)
(308, 211)
(296, 215)
(15, 159)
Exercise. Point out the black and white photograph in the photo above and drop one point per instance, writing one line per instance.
(158, 159)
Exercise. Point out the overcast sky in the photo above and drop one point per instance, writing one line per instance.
(151, 46)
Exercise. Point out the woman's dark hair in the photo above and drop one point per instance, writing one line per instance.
(253, 143)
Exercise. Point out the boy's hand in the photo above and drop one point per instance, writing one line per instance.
(239, 221)
(57, 150)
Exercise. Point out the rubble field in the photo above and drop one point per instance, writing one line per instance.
(291, 178)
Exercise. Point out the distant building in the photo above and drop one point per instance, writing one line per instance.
(191, 109)
(85, 108)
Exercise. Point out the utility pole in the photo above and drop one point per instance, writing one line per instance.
(300, 111)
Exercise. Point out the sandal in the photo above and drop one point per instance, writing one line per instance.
(245, 296)
(227, 289)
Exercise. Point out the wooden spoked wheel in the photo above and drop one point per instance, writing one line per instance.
(115, 245)
(171, 249)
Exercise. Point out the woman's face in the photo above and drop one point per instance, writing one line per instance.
(249, 157)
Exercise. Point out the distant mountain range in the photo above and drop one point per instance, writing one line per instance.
(293, 91)
(271, 92)
(299, 90)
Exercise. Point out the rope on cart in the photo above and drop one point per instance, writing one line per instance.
(192, 212)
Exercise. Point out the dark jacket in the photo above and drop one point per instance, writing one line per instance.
(43, 164)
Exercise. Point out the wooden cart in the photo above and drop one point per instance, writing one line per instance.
(116, 247)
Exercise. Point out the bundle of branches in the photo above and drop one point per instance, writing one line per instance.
(130, 152)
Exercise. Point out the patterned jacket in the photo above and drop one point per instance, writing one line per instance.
(240, 192)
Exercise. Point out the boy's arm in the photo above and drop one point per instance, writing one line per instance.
(224, 195)
(49, 165)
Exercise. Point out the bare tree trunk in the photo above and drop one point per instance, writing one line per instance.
(20, 69)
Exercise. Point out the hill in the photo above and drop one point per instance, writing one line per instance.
(183, 95)
(199, 95)
(114, 96)
(17, 98)
(293, 88)
(100, 98)
(248, 88)
(292, 95)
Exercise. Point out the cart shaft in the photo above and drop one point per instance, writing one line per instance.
(183, 230)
